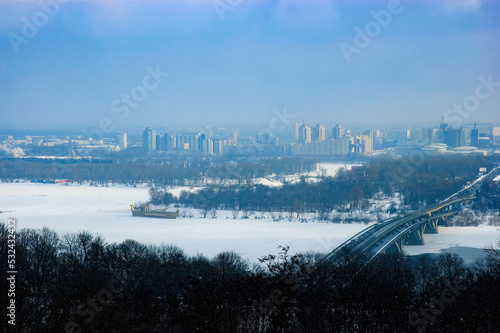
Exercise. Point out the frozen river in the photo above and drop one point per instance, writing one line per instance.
(106, 211)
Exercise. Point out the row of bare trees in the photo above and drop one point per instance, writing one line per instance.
(165, 171)
(419, 183)
(80, 283)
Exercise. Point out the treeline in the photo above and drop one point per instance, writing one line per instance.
(473, 218)
(488, 196)
(419, 181)
(165, 171)
(80, 283)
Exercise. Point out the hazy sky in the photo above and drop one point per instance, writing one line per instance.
(90, 63)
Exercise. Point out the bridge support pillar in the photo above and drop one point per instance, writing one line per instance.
(431, 227)
(415, 237)
(442, 221)
(396, 247)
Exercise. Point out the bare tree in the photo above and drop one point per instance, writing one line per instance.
(236, 210)
(246, 213)
(204, 211)
(494, 252)
(322, 173)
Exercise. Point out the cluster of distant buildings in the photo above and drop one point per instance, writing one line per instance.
(204, 143)
(317, 140)
(303, 139)
(313, 140)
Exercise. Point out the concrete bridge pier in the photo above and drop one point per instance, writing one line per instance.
(431, 227)
(415, 237)
(396, 247)
(442, 221)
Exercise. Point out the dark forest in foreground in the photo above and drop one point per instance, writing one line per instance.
(80, 283)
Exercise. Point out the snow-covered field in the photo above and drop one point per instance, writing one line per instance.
(322, 169)
(106, 211)
(330, 169)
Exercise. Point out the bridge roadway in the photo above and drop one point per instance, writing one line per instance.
(394, 232)
(397, 236)
(379, 237)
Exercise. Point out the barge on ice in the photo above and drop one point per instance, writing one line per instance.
(146, 211)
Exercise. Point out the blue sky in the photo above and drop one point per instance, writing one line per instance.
(238, 65)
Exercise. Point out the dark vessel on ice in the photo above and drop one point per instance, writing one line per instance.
(145, 210)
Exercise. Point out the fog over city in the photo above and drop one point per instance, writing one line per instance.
(70, 64)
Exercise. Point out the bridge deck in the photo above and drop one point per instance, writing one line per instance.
(377, 238)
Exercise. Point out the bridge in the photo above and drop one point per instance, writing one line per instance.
(389, 236)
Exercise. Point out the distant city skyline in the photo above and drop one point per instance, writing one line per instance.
(123, 65)
(299, 139)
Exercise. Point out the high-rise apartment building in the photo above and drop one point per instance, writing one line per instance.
(367, 140)
(397, 135)
(337, 132)
(304, 134)
(234, 136)
(318, 134)
(416, 135)
(297, 129)
(149, 140)
(207, 147)
(218, 146)
(455, 137)
(121, 140)
(474, 137)
(340, 146)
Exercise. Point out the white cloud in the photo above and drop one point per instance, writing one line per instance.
(462, 4)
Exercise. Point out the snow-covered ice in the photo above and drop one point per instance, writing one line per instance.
(457, 240)
(106, 211)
